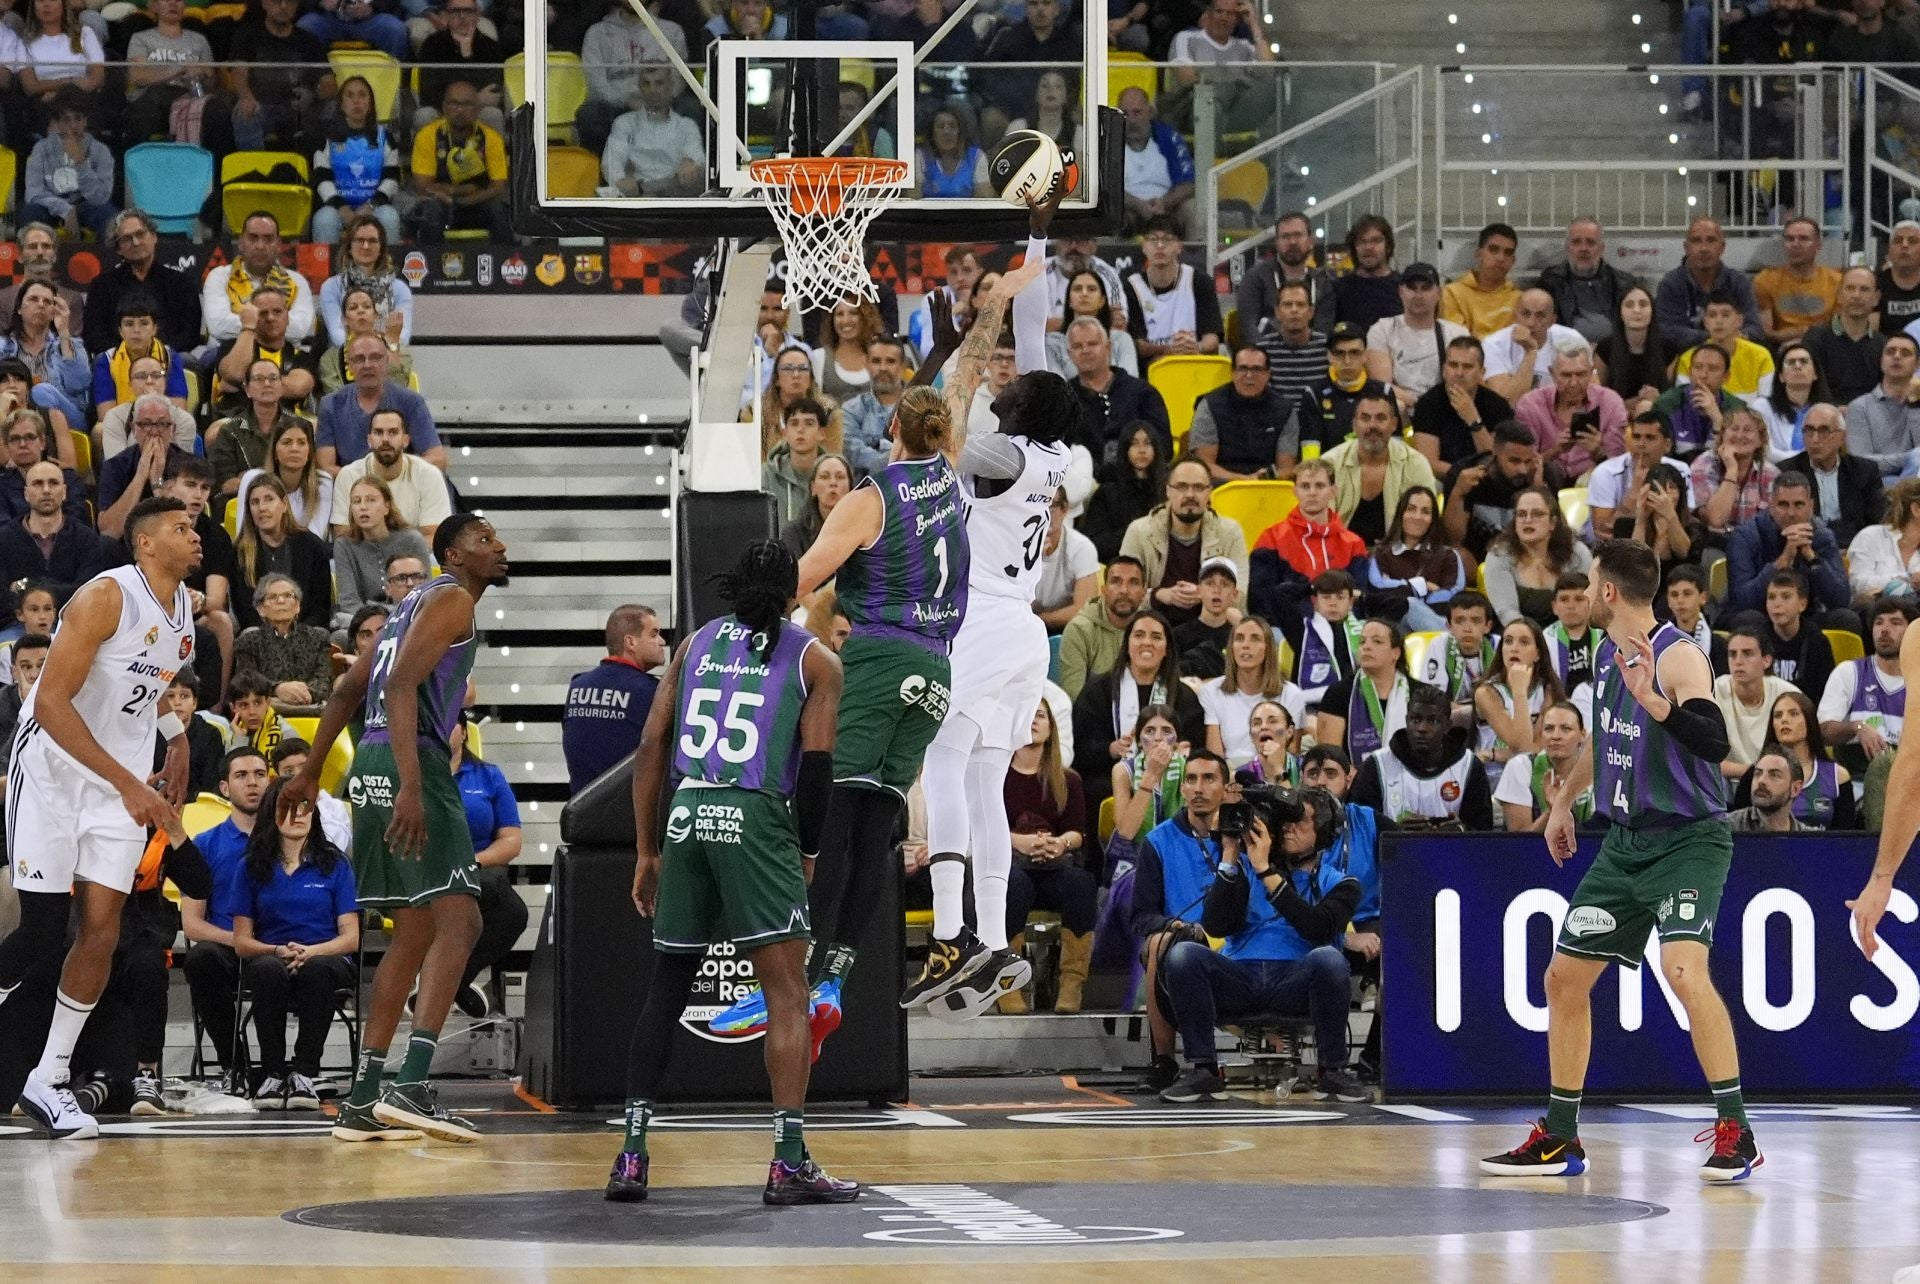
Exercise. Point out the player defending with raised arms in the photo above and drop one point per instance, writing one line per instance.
(412, 853)
(1898, 824)
(1000, 654)
(746, 714)
(75, 813)
(897, 550)
(1658, 739)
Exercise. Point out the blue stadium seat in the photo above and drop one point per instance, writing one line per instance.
(170, 181)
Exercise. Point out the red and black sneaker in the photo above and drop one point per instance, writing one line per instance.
(1735, 1153)
(627, 1184)
(806, 1183)
(1542, 1155)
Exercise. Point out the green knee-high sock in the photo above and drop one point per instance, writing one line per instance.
(839, 963)
(789, 1146)
(1563, 1112)
(639, 1115)
(419, 1058)
(366, 1077)
(1728, 1102)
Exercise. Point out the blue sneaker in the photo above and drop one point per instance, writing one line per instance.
(746, 1017)
(823, 1016)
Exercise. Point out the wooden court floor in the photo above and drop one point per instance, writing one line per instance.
(1080, 1185)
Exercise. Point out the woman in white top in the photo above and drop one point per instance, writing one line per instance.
(1528, 785)
(1885, 558)
(309, 488)
(1087, 297)
(1521, 673)
(840, 360)
(1797, 387)
(59, 52)
(1253, 674)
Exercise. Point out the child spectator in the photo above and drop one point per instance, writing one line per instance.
(1457, 662)
(36, 609)
(206, 741)
(70, 173)
(788, 473)
(1509, 699)
(1750, 372)
(1146, 780)
(1746, 694)
(255, 723)
(1326, 645)
(1132, 483)
(1201, 642)
(1686, 606)
(1801, 653)
(1572, 641)
(113, 383)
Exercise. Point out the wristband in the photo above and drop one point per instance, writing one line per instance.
(169, 725)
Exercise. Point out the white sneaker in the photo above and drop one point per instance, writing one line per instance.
(300, 1094)
(52, 1107)
(271, 1094)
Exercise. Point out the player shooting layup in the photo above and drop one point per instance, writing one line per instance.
(412, 852)
(1658, 740)
(1000, 654)
(75, 814)
(1899, 823)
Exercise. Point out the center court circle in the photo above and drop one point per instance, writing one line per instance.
(993, 1214)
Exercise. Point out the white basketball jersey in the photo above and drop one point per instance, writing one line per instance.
(1007, 533)
(120, 698)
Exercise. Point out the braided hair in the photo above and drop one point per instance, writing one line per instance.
(760, 587)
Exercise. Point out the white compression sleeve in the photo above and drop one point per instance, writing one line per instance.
(992, 843)
(1030, 315)
(943, 779)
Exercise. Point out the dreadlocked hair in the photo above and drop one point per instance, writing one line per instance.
(760, 586)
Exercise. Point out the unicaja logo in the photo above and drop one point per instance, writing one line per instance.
(679, 824)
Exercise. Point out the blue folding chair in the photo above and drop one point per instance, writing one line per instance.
(170, 181)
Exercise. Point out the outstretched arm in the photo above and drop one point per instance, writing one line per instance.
(1898, 825)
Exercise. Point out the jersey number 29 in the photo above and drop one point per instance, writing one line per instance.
(702, 734)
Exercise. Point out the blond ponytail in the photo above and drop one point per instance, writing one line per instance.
(923, 422)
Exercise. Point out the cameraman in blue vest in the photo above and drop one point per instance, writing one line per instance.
(1282, 955)
(1355, 852)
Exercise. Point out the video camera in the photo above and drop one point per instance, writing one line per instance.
(1277, 806)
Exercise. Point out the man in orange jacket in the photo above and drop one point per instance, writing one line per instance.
(1309, 540)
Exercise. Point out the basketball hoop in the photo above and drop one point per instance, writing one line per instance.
(823, 206)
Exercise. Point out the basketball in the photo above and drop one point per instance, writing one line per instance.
(1025, 167)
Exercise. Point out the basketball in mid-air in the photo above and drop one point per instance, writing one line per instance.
(1025, 168)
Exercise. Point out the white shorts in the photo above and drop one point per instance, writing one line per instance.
(63, 824)
(999, 666)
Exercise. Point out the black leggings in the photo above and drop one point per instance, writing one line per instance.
(41, 936)
(653, 1031)
(854, 851)
(308, 994)
(503, 916)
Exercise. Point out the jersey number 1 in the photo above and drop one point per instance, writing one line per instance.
(703, 733)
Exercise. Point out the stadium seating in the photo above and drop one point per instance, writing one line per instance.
(170, 181)
(1183, 379)
(1255, 505)
(382, 71)
(290, 203)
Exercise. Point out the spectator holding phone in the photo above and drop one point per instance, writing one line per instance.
(1577, 421)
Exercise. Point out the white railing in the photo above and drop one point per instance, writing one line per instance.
(1536, 146)
(1369, 154)
(1885, 183)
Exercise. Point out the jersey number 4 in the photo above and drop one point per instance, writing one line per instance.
(702, 734)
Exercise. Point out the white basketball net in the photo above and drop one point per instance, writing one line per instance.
(823, 208)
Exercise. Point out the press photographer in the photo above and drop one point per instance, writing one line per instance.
(1282, 955)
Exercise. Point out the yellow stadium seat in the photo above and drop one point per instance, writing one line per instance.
(566, 88)
(1416, 650)
(1182, 380)
(1846, 645)
(1127, 70)
(1232, 335)
(920, 918)
(1256, 505)
(339, 758)
(233, 521)
(1247, 182)
(9, 172)
(1286, 657)
(1717, 580)
(290, 204)
(380, 70)
(572, 171)
(1480, 577)
(1573, 506)
(82, 452)
(203, 813)
(858, 71)
(1106, 821)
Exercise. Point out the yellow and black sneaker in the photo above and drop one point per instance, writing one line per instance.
(1543, 1155)
(948, 964)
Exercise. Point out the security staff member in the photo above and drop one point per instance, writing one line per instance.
(607, 705)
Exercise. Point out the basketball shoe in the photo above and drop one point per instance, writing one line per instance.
(1735, 1154)
(806, 1183)
(1541, 1155)
(948, 964)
